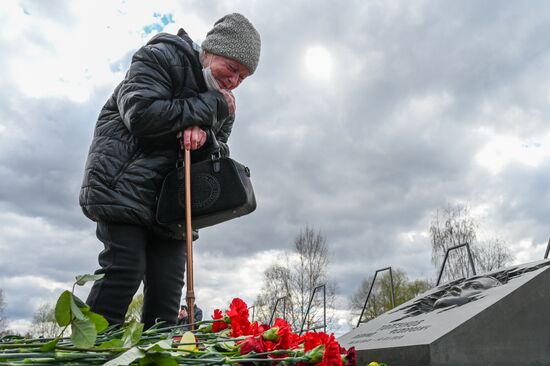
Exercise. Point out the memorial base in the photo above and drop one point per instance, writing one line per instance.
(503, 325)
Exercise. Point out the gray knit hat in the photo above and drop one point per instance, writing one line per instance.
(234, 37)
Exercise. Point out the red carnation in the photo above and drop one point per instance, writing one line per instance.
(218, 325)
(312, 340)
(331, 354)
(284, 332)
(349, 356)
(279, 337)
(296, 341)
(238, 313)
(251, 344)
(257, 329)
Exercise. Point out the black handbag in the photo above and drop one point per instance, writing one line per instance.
(221, 190)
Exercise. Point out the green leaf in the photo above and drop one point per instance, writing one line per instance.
(50, 345)
(225, 332)
(212, 349)
(82, 279)
(205, 329)
(146, 361)
(140, 353)
(227, 346)
(271, 334)
(76, 310)
(316, 355)
(63, 309)
(159, 346)
(83, 333)
(81, 304)
(132, 334)
(127, 357)
(158, 360)
(112, 343)
(99, 321)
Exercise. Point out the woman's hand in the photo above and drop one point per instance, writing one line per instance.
(194, 137)
(230, 99)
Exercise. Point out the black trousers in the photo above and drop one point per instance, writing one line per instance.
(133, 254)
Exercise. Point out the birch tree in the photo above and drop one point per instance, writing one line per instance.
(455, 225)
(295, 277)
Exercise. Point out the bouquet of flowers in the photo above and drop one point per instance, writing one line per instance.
(228, 339)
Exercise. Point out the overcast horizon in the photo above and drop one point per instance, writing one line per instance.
(361, 121)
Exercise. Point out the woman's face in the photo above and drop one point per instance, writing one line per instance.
(227, 72)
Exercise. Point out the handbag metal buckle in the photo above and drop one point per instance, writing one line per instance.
(216, 156)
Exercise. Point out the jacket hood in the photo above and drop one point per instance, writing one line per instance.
(181, 40)
(185, 43)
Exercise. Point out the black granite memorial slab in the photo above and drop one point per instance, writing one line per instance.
(499, 318)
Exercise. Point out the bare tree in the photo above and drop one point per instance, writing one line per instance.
(295, 277)
(312, 254)
(454, 225)
(450, 227)
(277, 284)
(3, 320)
(491, 255)
(380, 298)
(43, 322)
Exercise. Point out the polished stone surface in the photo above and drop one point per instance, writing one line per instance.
(499, 318)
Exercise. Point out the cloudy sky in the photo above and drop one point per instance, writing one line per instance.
(360, 121)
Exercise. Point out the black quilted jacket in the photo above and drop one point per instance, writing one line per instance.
(134, 144)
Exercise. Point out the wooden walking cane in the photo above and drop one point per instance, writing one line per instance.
(190, 296)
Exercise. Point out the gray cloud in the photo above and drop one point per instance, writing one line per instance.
(55, 10)
(43, 153)
(365, 157)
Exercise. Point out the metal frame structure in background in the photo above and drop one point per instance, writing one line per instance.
(547, 250)
(253, 307)
(370, 290)
(275, 309)
(467, 245)
(324, 309)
